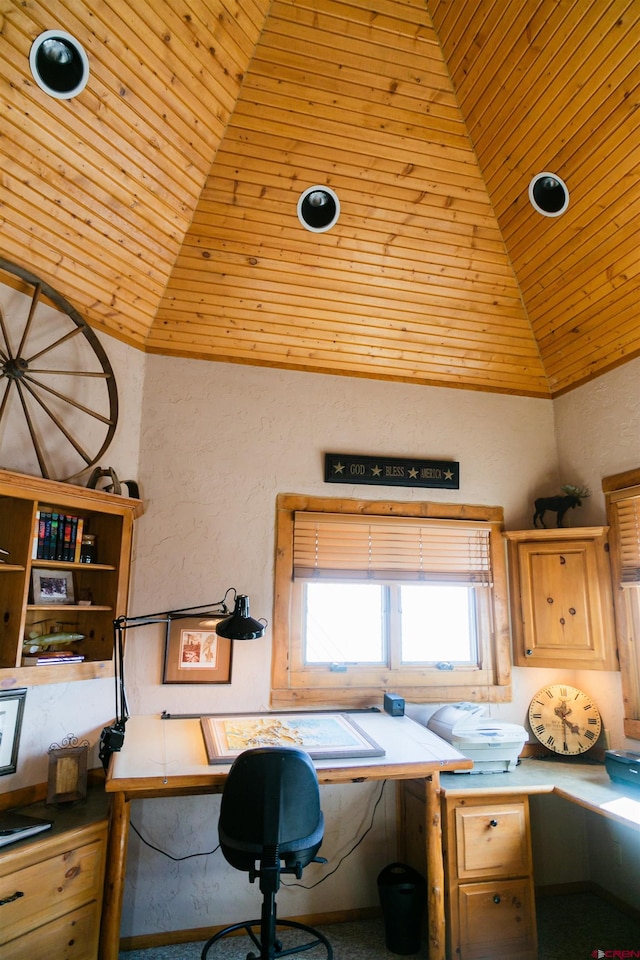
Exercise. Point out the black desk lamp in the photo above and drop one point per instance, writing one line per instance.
(238, 625)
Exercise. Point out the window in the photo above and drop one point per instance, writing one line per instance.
(622, 494)
(370, 595)
(354, 623)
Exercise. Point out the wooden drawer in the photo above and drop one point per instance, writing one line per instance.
(71, 937)
(44, 890)
(497, 920)
(492, 840)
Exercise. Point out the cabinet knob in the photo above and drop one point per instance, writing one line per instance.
(493, 823)
(529, 653)
(496, 898)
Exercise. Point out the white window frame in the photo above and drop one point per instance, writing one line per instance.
(295, 683)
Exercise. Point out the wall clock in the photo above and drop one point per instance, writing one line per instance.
(564, 719)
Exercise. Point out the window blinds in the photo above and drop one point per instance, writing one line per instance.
(355, 547)
(627, 515)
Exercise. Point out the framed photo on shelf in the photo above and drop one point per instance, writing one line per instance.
(11, 711)
(52, 586)
(194, 653)
(67, 781)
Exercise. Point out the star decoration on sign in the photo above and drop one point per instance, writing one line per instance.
(413, 473)
(448, 475)
(376, 471)
(338, 467)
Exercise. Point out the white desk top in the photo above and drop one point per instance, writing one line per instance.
(587, 784)
(161, 755)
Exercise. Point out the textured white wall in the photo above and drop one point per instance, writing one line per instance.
(598, 433)
(219, 442)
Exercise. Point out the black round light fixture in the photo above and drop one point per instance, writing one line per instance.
(549, 194)
(59, 64)
(318, 209)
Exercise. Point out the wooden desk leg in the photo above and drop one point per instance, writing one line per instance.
(114, 878)
(435, 869)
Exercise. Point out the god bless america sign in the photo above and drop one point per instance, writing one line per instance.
(391, 471)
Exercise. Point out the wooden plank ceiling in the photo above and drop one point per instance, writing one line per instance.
(161, 202)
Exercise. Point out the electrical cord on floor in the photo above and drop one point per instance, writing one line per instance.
(310, 886)
(205, 853)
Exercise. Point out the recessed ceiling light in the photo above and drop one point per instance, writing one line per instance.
(549, 194)
(59, 64)
(318, 209)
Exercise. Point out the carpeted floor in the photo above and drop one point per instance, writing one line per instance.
(573, 927)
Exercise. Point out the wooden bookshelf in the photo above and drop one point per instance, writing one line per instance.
(105, 582)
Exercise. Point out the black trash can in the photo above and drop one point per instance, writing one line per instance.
(403, 899)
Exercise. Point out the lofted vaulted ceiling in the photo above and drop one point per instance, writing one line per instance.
(161, 201)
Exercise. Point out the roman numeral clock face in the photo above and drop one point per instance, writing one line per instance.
(564, 719)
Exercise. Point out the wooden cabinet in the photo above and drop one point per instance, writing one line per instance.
(488, 890)
(51, 887)
(490, 903)
(104, 582)
(561, 598)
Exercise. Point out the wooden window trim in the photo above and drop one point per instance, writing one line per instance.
(626, 601)
(490, 683)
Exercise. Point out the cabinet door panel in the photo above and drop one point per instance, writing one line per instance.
(559, 614)
(492, 840)
(497, 920)
(561, 598)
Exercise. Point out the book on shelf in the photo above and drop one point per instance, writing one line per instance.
(16, 826)
(45, 659)
(57, 536)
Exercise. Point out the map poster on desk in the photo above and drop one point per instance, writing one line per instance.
(324, 736)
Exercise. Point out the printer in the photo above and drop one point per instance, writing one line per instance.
(493, 745)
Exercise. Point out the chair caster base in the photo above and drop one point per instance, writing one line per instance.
(272, 951)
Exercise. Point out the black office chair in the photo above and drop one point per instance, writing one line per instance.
(271, 823)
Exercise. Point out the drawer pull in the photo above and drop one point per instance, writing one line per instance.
(496, 898)
(493, 823)
(16, 896)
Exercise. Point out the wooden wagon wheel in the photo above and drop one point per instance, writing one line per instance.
(58, 396)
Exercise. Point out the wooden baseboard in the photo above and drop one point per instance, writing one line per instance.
(588, 886)
(201, 934)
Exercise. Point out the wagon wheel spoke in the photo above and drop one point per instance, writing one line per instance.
(5, 336)
(59, 424)
(74, 403)
(4, 398)
(52, 346)
(32, 310)
(69, 373)
(34, 438)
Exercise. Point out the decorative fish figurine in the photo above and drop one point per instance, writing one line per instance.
(35, 641)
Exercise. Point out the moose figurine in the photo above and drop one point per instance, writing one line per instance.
(573, 497)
